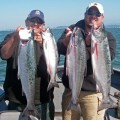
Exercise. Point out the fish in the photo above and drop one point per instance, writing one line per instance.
(51, 56)
(101, 64)
(76, 65)
(27, 71)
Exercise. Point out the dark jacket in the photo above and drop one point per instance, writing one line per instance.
(88, 80)
(12, 86)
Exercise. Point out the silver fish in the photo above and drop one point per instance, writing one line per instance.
(76, 66)
(27, 71)
(101, 63)
(51, 56)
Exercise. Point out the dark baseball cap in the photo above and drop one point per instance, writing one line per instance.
(36, 13)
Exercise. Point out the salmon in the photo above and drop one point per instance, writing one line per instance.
(76, 63)
(27, 71)
(51, 56)
(101, 63)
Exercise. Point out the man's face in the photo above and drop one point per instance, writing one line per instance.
(93, 17)
(36, 24)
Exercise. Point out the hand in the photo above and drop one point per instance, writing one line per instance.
(95, 25)
(19, 28)
(67, 36)
(68, 33)
(38, 33)
(38, 36)
(16, 34)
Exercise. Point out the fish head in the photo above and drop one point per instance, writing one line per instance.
(24, 42)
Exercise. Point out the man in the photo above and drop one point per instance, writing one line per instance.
(90, 96)
(12, 86)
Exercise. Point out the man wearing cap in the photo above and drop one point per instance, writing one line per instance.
(12, 86)
(90, 96)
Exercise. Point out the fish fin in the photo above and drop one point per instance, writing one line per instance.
(31, 117)
(21, 117)
(67, 71)
(18, 76)
(75, 107)
(85, 72)
(52, 84)
(105, 105)
(19, 48)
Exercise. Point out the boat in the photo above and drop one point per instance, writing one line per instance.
(109, 115)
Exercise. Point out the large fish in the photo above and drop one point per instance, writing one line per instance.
(27, 71)
(51, 56)
(76, 66)
(101, 63)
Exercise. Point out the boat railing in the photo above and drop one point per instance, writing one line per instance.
(2, 95)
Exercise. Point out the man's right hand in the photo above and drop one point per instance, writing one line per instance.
(16, 34)
(67, 36)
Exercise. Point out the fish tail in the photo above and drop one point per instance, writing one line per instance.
(52, 84)
(75, 107)
(105, 105)
(29, 114)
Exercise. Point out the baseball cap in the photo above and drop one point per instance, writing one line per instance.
(36, 13)
(97, 5)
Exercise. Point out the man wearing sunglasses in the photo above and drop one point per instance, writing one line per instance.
(12, 86)
(90, 96)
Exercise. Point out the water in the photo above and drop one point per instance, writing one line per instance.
(116, 34)
(57, 33)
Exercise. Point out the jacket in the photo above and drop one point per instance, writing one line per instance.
(12, 86)
(88, 80)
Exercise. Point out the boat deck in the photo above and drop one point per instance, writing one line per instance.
(110, 113)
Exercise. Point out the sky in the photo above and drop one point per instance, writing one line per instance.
(57, 12)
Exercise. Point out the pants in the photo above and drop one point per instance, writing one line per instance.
(46, 110)
(88, 101)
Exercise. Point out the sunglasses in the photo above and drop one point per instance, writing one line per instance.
(97, 14)
(36, 20)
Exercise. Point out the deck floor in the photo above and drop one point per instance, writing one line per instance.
(110, 113)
